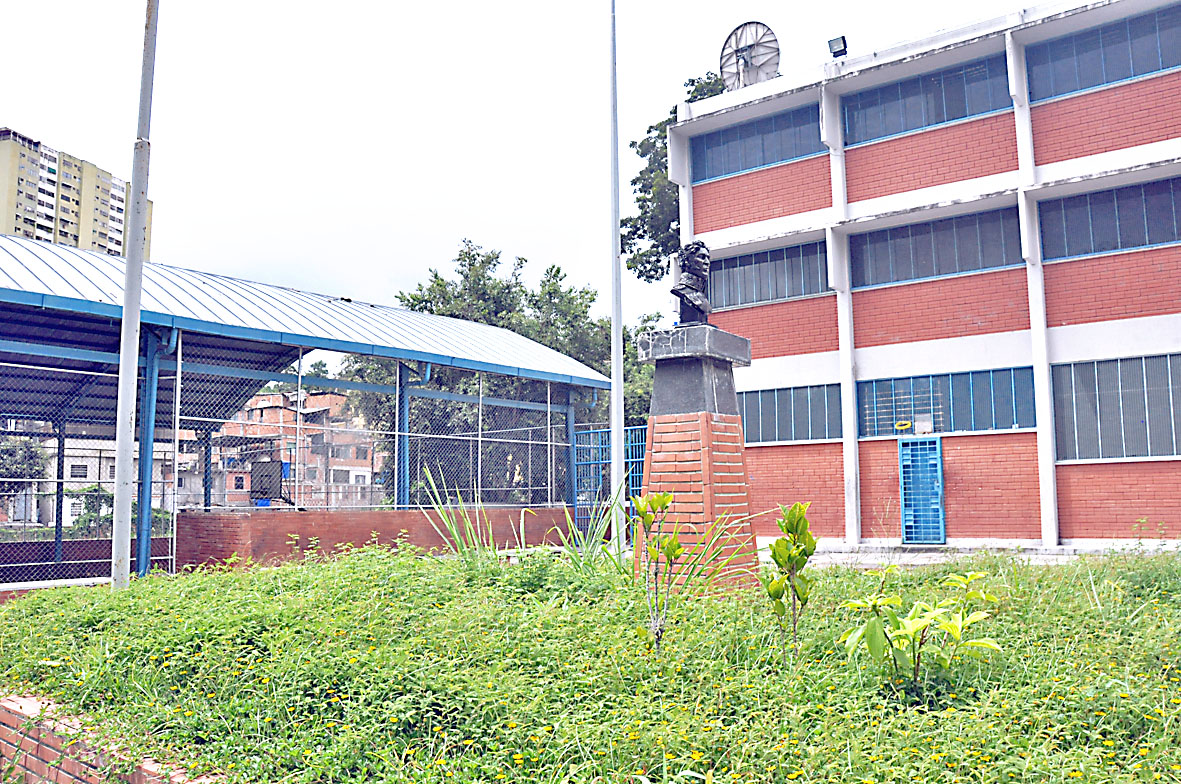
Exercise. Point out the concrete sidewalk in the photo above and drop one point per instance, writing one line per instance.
(877, 556)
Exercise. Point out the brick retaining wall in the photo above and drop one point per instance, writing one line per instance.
(37, 747)
(268, 535)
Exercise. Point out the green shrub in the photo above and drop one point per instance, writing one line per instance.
(790, 553)
(936, 629)
(385, 666)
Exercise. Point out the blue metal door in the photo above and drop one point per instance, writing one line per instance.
(920, 473)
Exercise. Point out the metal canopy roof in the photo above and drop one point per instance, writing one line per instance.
(265, 324)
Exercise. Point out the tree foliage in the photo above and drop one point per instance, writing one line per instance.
(21, 460)
(651, 238)
(554, 314)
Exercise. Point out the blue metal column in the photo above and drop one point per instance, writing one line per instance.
(147, 437)
(572, 473)
(402, 434)
(207, 468)
(59, 506)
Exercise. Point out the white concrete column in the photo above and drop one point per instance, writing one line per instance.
(1031, 251)
(837, 247)
(838, 277)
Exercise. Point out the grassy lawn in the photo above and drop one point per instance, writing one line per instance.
(385, 666)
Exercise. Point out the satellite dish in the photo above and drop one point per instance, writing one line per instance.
(750, 55)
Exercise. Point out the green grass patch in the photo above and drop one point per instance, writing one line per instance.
(384, 665)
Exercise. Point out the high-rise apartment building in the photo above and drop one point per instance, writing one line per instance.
(50, 195)
(958, 262)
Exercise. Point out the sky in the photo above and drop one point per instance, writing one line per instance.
(349, 147)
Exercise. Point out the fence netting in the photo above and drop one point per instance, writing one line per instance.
(320, 443)
(57, 476)
(373, 435)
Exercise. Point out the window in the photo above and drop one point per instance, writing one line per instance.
(964, 91)
(76, 508)
(956, 402)
(339, 451)
(762, 142)
(966, 243)
(180, 482)
(239, 483)
(360, 479)
(362, 452)
(1133, 217)
(1104, 55)
(772, 275)
(111, 471)
(1118, 408)
(310, 474)
(793, 414)
(340, 476)
(79, 471)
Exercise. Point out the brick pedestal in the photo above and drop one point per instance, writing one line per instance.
(695, 444)
(699, 459)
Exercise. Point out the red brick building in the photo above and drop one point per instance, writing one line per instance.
(959, 265)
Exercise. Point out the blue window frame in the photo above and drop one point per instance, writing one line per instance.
(751, 145)
(791, 414)
(768, 276)
(1118, 408)
(983, 240)
(956, 402)
(1137, 216)
(1103, 55)
(931, 99)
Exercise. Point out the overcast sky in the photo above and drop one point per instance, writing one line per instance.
(347, 147)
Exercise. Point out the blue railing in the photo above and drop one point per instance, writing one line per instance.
(592, 466)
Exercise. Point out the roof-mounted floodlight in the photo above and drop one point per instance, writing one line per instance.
(838, 46)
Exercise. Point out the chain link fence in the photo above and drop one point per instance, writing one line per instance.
(385, 435)
(57, 478)
(303, 442)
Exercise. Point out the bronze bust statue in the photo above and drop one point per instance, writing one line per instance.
(692, 289)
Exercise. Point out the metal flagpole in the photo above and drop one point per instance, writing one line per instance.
(180, 340)
(136, 240)
(616, 312)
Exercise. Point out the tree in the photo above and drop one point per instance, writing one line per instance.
(97, 507)
(317, 368)
(554, 314)
(650, 239)
(22, 461)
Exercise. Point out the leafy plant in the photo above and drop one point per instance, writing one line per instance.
(587, 550)
(218, 652)
(938, 628)
(461, 529)
(790, 553)
(692, 567)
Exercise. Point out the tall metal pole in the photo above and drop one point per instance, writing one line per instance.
(616, 312)
(137, 235)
